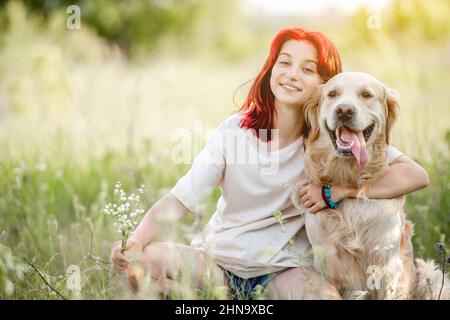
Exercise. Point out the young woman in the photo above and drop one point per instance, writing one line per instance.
(256, 236)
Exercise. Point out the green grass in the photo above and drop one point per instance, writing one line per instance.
(75, 120)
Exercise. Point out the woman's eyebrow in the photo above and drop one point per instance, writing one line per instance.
(311, 60)
(287, 54)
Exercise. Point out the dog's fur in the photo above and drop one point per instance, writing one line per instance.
(364, 247)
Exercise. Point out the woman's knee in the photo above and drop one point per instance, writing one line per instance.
(287, 285)
(154, 251)
(302, 284)
(154, 259)
(317, 287)
(173, 259)
(168, 260)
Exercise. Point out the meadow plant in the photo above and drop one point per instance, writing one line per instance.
(126, 210)
(445, 260)
(11, 269)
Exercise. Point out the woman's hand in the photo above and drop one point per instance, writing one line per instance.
(311, 196)
(121, 261)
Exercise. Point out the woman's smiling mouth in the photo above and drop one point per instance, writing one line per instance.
(291, 88)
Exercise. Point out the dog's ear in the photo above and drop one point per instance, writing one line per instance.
(392, 110)
(311, 110)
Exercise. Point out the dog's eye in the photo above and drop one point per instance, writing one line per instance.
(332, 94)
(366, 94)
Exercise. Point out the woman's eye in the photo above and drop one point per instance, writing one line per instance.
(285, 63)
(332, 94)
(366, 94)
(307, 70)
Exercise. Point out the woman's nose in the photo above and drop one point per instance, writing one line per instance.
(293, 73)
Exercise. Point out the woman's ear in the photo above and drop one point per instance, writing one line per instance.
(311, 110)
(392, 110)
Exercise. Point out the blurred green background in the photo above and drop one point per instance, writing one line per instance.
(83, 109)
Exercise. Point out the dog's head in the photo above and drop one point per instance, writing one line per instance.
(350, 114)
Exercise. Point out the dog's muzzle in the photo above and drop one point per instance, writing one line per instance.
(344, 112)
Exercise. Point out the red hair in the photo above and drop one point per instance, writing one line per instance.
(259, 106)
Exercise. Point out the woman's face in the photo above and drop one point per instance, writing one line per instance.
(294, 75)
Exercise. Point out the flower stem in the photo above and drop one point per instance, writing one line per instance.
(443, 275)
(124, 241)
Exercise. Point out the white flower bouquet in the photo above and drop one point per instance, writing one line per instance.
(126, 210)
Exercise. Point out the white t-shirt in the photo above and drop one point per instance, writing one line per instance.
(243, 235)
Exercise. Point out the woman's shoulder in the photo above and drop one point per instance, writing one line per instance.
(232, 122)
(230, 127)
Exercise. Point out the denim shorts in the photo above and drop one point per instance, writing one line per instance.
(247, 289)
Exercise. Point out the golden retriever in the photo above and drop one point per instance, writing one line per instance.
(364, 246)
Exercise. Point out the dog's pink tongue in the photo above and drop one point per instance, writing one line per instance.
(359, 146)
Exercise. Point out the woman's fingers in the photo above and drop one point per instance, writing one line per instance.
(119, 260)
(303, 191)
(308, 204)
(120, 256)
(119, 265)
(314, 208)
(122, 260)
(305, 198)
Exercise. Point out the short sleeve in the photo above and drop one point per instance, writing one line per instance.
(393, 153)
(205, 174)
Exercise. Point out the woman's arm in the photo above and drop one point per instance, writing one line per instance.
(403, 176)
(149, 227)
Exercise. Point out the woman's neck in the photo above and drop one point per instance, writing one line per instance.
(290, 121)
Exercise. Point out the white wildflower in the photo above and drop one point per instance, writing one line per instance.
(20, 168)
(18, 182)
(9, 287)
(41, 166)
(127, 211)
(141, 190)
(20, 271)
(58, 174)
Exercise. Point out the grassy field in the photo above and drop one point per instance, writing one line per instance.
(76, 117)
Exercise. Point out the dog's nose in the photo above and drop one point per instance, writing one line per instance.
(345, 112)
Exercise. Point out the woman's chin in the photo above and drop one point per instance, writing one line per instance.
(290, 101)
